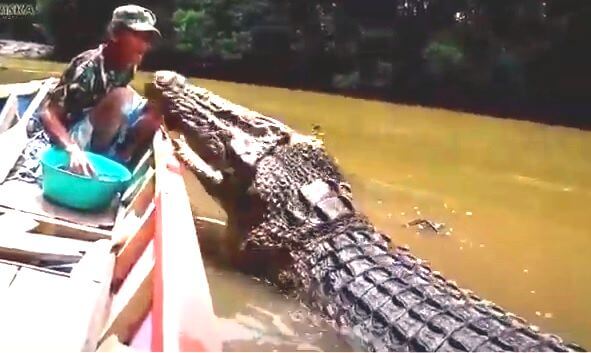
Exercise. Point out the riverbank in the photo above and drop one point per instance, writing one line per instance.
(551, 112)
(27, 50)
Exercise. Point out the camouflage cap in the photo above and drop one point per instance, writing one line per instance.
(136, 18)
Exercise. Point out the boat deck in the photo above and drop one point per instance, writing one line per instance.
(53, 310)
(81, 281)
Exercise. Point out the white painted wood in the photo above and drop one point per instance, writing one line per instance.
(14, 140)
(20, 88)
(31, 247)
(9, 113)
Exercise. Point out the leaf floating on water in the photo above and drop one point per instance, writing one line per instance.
(250, 322)
(548, 315)
(453, 211)
(404, 247)
(481, 245)
(532, 291)
(233, 330)
(468, 213)
(525, 270)
(402, 213)
(418, 213)
(445, 205)
(538, 313)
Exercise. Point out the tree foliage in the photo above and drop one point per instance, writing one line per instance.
(507, 51)
(219, 28)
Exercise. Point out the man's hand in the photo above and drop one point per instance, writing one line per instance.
(79, 162)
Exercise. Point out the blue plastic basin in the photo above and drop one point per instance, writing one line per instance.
(78, 191)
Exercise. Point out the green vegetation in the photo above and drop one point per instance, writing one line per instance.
(528, 57)
(209, 28)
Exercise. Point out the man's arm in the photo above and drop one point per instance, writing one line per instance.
(52, 118)
(71, 94)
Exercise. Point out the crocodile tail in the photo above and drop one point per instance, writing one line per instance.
(392, 301)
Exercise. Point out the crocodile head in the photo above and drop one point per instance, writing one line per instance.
(273, 182)
(224, 139)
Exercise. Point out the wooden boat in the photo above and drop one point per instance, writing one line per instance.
(131, 275)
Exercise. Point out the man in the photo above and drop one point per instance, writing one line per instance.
(93, 107)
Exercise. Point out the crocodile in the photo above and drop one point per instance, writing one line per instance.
(298, 227)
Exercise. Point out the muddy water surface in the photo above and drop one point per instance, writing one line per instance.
(515, 196)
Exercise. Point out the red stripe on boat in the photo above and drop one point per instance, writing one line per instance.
(182, 314)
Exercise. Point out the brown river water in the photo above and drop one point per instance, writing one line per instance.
(514, 196)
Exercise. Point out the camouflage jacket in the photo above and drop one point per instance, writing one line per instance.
(85, 81)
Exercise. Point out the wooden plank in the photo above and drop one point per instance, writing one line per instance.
(141, 194)
(142, 340)
(13, 141)
(7, 274)
(31, 247)
(144, 163)
(44, 310)
(138, 177)
(135, 239)
(17, 222)
(97, 265)
(133, 300)
(49, 271)
(47, 322)
(20, 88)
(134, 211)
(9, 113)
(61, 228)
(119, 216)
(52, 226)
(183, 316)
(28, 197)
